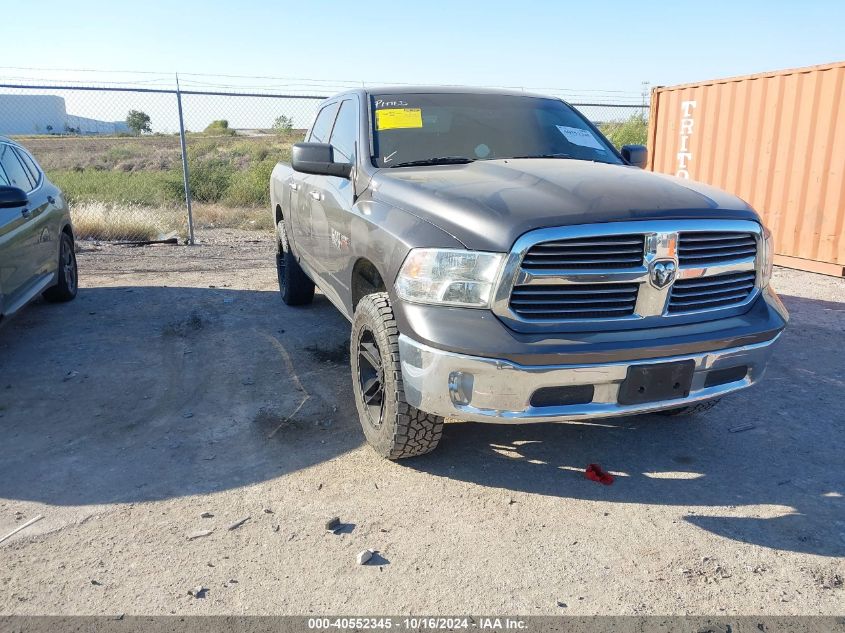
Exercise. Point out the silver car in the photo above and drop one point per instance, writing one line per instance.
(36, 236)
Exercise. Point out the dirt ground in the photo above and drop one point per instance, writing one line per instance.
(163, 393)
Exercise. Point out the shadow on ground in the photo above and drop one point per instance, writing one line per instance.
(147, 393)
(791, 459)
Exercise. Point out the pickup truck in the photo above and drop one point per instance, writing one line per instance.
(501, 261)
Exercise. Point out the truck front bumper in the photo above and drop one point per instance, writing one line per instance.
(494, 390)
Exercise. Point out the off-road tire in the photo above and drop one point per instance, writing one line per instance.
(402, 430)
(693, 409)
(67, 274)
(294, 285)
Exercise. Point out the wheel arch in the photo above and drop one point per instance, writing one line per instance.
(366, 280)
(382, 235)
(67, 229)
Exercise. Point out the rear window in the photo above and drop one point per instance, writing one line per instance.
(323, 124)
(345, 132)
(32, 168)
(16, 174)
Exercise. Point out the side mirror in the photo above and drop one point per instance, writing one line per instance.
(318, 158)
(12, 198)
(636, 155)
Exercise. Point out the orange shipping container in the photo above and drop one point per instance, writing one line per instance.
(777, 140)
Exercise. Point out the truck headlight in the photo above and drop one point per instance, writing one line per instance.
(449, 277)
(768, 258)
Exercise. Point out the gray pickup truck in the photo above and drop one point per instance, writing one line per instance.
(500, 261)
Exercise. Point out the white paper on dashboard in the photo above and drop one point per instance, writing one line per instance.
(577, 136)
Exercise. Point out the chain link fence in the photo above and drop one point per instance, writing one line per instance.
(116, 152)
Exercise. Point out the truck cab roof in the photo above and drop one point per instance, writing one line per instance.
(423, 89)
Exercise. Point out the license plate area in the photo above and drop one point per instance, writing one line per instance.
(653, 383)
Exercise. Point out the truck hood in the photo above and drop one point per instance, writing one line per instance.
(487, 205)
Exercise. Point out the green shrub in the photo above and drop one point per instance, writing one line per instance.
(219, 127)
(139, 187)
(234, 172)
(633, 131)
(251, 187)
(210, 178)
(120, 152)
(283, 124)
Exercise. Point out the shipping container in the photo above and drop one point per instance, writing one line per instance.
(777, 140)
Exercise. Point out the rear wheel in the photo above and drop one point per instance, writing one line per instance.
(693, 409)
(294, 285)
(67, 274)
(394, 428)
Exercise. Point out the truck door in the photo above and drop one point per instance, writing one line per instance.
(338, 197)
(308, 198)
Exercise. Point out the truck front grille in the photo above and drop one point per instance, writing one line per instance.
(706, 248)
(628, 275)
(581, 301)
(706, 293)
(609, 251)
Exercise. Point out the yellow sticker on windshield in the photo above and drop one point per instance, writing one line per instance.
(398, 118)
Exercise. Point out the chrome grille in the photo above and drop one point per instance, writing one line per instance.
(633, 274)
(705, 248)
(576, 301)
(707, 293)
(608, 251)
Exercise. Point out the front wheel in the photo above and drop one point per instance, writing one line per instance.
(67, 274)
(294, 285)
(394, 428)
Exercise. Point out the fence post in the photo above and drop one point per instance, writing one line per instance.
(185, 173)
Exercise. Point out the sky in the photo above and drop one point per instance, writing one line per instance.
(596, 51)
(587, 47)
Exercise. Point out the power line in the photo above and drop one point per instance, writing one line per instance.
(86, 70)
(84, 83)
(283, 82)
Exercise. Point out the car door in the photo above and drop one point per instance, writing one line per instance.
(20, 260)
(338, 197)
(46, 213)
(309, 200)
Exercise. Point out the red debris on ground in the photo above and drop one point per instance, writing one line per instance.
(594, 472)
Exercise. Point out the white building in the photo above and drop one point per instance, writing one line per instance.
(47, 114)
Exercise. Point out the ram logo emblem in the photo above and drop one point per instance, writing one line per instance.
(662, 273)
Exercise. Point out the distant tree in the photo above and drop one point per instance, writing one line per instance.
(283, 124)
(138, 122)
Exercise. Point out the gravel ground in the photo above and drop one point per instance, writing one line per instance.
(156, 406)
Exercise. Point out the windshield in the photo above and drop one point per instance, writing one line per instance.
(450, 128)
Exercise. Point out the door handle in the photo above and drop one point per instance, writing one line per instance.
(26, 213)
(294, 186)
(316, 195)
(51, 200)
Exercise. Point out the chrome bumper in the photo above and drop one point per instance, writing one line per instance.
(491, 390)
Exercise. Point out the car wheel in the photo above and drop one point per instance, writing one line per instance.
(693, 409)
(394, 428)
(294, 285)
(67, 274)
